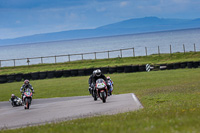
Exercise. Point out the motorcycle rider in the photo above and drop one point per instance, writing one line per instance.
(91, 85)
(98, 75)
(110, 86)
(25, 86)
(13, 97)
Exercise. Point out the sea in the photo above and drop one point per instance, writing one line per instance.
(97, 48)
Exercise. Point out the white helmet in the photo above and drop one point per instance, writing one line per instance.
(98, 72)
(12, 95)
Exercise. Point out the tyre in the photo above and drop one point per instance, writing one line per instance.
(183, 65)
(176, 65)
(3, 78)
(28, 103)
(58, 74)
(35, 75)
(26, 106)
(88, 71)
(128, 69)
(18, 77)
(11, 78)
(13, 104)
(195, 64)
(42, 75)
(27, 76)
(74, 72)
(135, 68)
(170, 66)
(66, 73)
(112, 70)
(81, 72)
(50, 74)
(142, 68)
(163, 66)
(120, 69)
(94, 95)
(190, 64)
(103, 96)
(25, 103)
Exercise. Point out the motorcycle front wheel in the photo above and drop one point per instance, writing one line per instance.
(94, 95)
(27, 101)
(103, 96)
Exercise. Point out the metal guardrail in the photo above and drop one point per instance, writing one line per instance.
(121, 51)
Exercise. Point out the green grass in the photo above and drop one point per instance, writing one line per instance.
(170, 99)
(152, 59)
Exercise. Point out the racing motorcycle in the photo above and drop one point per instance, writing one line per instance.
(27, 98)
(110, 85)
(16, 102)
(100, 90)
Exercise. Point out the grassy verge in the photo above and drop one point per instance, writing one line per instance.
(170, 100)
(152, 59)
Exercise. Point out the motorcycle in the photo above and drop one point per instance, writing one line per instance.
(27, 98)
(100, 90)
(16, 102)
(110, 85)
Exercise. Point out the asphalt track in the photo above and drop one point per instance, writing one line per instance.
(61, 109)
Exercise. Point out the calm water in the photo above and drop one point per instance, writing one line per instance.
(139, 41)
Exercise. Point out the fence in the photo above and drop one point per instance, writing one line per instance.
(128, 52)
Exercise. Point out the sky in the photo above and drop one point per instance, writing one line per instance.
(28, 17)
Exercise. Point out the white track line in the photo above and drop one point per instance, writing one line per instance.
(137, 101)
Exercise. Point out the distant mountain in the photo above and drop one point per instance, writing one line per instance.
(132, 26)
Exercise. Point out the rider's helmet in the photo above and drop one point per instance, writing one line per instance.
(13, 95)
(108, 78)
(94, 72)
(98, 72)
(26, 82)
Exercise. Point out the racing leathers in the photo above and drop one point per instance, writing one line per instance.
(13, 97)
(94, 79)
(24, 87)
(90, 84)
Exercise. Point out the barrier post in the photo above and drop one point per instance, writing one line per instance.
(95, 55)
(170, 49)
(108, 55)
(158, 50)
(14, 62)
(133, 52)
(194, 48)
(146, 50)
(41, 60)
(55, 59)
(184, 48)
(0, 63)
(82, 56)
(69, 58)
(121, 52)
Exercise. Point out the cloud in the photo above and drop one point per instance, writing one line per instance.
(18, 22)
(123, 3)
(36, 16)
(101, 9)
(181, 1)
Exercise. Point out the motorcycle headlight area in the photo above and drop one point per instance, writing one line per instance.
(100, 85)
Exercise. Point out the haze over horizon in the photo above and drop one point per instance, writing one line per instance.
(22, 18)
